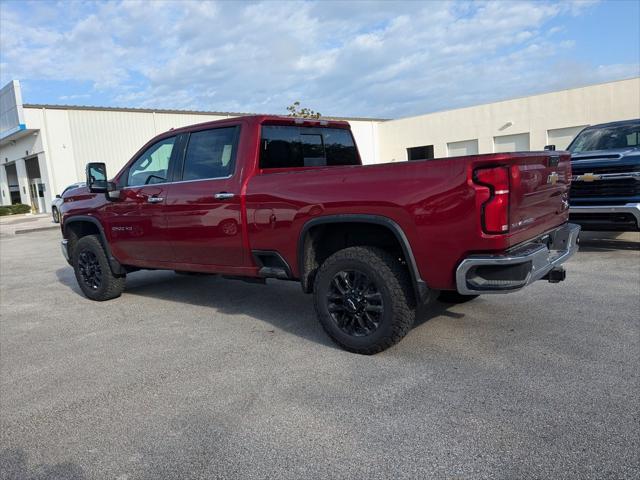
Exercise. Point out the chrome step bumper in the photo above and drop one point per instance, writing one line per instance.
(517, 268)
(631, 208)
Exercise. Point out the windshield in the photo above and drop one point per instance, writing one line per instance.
(608, 138)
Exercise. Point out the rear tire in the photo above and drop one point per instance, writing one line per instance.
(450, 296)
(93, 272)
(364, 299)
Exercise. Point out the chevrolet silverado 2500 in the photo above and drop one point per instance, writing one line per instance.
(605, 192)
(276, 197)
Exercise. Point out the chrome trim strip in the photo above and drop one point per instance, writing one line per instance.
(131, 187)
(592, 177)
(542, 258)
(632, 208)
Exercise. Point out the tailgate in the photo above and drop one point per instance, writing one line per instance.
(539, 198)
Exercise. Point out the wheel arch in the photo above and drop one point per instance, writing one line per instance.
(307, 247)
(79, 226)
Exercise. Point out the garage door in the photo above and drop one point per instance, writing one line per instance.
(511, 143)
(459, 149)
(561, 137)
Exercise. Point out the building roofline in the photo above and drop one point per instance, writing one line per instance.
(510, 99)
(171, 111)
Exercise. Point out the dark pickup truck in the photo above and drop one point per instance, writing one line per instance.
(277, 197)
(605, 192)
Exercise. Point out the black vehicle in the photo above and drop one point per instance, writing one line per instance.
(605, 189)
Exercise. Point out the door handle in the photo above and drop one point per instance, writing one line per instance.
(155, 199)
(223, 196)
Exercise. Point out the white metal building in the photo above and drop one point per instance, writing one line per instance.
(44, 148)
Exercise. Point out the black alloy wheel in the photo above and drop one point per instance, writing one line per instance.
(90, 270)
(93, 272)
(355, 303)
(364, 299)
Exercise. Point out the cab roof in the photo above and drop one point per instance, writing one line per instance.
(260, 119)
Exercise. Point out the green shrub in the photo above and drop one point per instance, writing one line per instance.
(14, 209)
(20, 208)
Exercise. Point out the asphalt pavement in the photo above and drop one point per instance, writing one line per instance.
(201, 378)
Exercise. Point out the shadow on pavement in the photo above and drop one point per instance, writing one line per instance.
(280, 303)
(609, 241)
(14, 465)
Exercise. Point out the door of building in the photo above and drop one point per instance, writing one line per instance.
(36, 191)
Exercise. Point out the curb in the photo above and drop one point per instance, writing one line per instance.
(37, 229)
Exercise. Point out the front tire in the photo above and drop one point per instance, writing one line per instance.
(364, 299)
(93, 272)
(56, 215)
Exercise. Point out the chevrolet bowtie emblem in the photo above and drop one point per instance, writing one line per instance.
(552, 178)
(587, 177)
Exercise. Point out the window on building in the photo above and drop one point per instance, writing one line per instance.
(293, 146)
(420, 153)
(210, 154)
(152, 166)
(511, 143)
(460, 149)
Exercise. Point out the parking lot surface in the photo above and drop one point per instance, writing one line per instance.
(200, 377)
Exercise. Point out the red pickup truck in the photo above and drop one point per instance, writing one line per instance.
(262, 197)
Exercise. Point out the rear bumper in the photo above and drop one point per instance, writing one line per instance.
(517, 268)
(601, 217)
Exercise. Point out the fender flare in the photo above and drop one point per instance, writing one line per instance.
(115, 265)
(420, 286)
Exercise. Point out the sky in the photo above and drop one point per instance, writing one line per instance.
(360, 58)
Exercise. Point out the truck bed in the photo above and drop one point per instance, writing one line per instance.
(434, 202)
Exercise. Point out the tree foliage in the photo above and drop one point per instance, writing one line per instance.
(295, 111)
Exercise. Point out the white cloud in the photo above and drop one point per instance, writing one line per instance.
(357, 58)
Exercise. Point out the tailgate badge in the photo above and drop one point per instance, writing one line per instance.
(553, 178)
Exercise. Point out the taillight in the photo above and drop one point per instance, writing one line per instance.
(495, 211)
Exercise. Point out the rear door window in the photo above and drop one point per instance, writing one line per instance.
(210, 154)
(293, 146)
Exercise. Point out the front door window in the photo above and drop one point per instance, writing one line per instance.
(153, 165)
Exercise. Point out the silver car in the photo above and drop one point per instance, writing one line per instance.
(55, 204)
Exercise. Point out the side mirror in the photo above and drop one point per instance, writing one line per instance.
(58, 196)
(97, 177)
(551, 148)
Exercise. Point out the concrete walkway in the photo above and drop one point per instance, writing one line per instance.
(19, 224)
